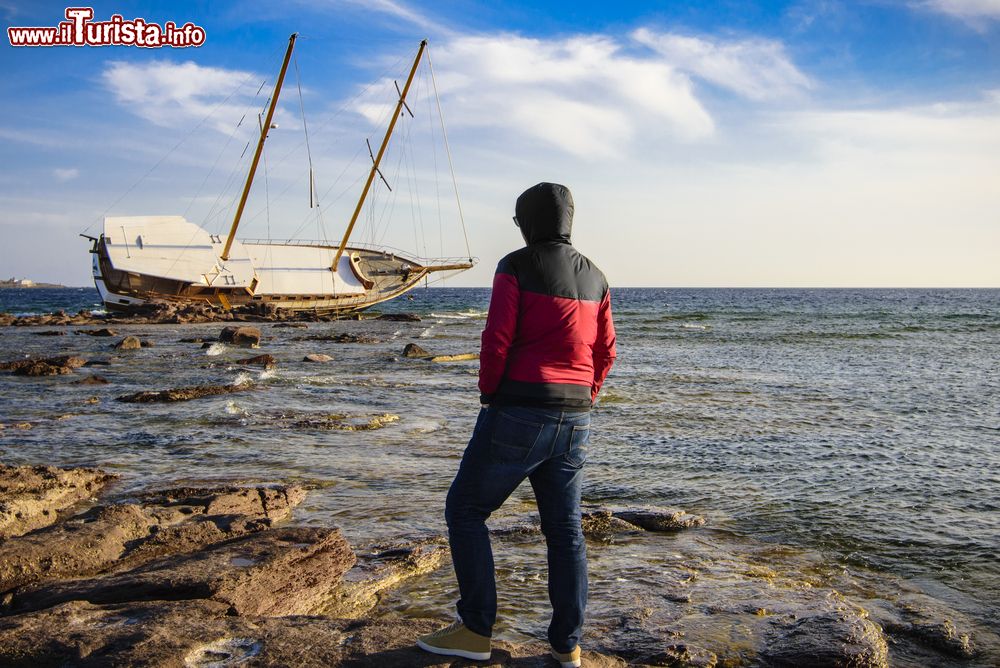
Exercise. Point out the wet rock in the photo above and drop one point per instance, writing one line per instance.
(39, 368)
(292, 325)
(104, 331)
(44, 366)
(97, 363)
(196, 339)
(32, 496)
(462, 357)
(278, 572)
(840, 638)
(129, 343)
(50, 332)
(183, 393)
(317, 357)
(942, 636)
(379, 570)
(338, 338)
(414, 351)
(127, 535)
(345, 422)
(266, 361)
(241, 336)
(399, 317)
(92, 379)
(603, 526)
(652, 519)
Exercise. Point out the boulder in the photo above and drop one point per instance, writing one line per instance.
(92, 379)
(278, 572)
(129, 343)
(32, 496)
(840, 638)
(317, 357)
(39, 368)
(241, 336)
(652, 519)
(183, 393)
(414, 351)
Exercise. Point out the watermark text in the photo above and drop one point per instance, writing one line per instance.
(79, 29)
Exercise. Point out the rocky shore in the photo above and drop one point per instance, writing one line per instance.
(168, 313)
(219, 576)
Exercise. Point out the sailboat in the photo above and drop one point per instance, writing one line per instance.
(142, 259)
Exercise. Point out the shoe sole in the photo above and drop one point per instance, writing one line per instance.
(567, 664)
(445, 651)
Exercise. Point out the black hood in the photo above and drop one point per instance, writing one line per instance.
(545, 213)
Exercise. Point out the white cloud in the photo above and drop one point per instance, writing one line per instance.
(758, 69)
(581, 95)
(67, 174)
(968, 10)
(182, 94)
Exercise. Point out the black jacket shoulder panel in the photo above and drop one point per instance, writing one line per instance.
(557, 270)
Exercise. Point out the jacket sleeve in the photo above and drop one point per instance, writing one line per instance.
(501, 324)
(604, 346)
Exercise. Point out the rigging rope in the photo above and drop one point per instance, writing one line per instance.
(447, 148)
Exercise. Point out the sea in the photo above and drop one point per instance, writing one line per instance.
(855, 429)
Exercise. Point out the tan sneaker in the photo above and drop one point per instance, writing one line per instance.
(569, 659)
(456, 640)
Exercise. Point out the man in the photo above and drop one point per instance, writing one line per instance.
(548, 345)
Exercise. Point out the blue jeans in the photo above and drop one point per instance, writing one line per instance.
(508, 445)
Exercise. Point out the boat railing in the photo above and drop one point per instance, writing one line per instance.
(406, 255)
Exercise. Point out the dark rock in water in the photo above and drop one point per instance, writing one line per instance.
(399, 317)
(602, 525)
(345, 422)
(413, 350)
(338, 338)
(125, 536)
(93, 379)
(46, 366)
(196, 339)
(32, 496)
(943, 636)
(266, 361)
(40, 368)
(317, 357)
(659, 520)
(50, 332)
(285, 571)
(129, 343)
(183, 393)
(146, 343)
(241, 336)
(292, 325)
(98, 363)
(104, 331)
(840, 638)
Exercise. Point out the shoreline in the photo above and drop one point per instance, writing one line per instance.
(742, 603)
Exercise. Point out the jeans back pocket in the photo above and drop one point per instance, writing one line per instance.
(577, 454)
(514, 438)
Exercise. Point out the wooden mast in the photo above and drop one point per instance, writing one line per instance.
(260, 148)
(378, 157)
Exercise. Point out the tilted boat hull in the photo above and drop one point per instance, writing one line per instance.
(168, 259)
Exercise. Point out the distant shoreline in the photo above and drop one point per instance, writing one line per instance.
(12, 285)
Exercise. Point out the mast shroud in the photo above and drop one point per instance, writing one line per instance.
(378, 158)
(260, 147)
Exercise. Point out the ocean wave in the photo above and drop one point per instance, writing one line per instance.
(460, 315)
(215, 349)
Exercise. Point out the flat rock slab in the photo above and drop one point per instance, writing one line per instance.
(278, 572)
(32, 496)
(183, 393)
(123, 536)
(379, 570)
(199, 633)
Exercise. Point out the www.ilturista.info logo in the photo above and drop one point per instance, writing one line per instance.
(80, 30)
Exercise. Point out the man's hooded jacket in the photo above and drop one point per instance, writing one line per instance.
(549, 340)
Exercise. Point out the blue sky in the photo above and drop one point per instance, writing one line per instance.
(814, 143)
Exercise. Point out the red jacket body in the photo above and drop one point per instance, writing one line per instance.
(549, 339)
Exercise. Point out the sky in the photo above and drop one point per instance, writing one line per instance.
(812, 143)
